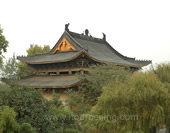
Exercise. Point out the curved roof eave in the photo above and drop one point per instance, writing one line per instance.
(92, 58)
(9, 81)
(119, 64)
(67, 86)
(47, 62)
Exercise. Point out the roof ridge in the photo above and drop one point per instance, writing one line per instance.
(89, 38)
(65, 51)
(74, 39)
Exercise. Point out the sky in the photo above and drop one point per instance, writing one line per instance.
(135, 28)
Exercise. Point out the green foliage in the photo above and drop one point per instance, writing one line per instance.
(98, 124)
(141, 104)
(30, 106)
(77, 103)
(88, 92)
(99, 76)
(24, 70)
(8, 123)
(12, 69)
(62, 117)
(35, 111)
(111, 105)
(26, 128)
(149, 100)
(3, 42)
(9, 69)
(163, 72)
(36, 49)
(1, 62)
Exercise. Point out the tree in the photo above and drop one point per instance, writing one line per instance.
(26, 128)
(3, 42)
(163, 72)
(35, 111)
(89, 90)
(8, 123)
(62, 117)
(10, 68)
(36, 49)
(104, 116)
(77, 103)
(99, 76)
(149, 99)
(141, 104)
(26, 70)
(30, 106)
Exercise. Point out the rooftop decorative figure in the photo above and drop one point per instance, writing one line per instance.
(66, 26)
(104, 36)
(86, 32)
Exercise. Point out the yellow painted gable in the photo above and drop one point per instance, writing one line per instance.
(64, 45)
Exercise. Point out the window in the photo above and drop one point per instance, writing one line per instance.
(52, 73)
(64, 73)
(75, 72)
(41, 73)
(86, 72)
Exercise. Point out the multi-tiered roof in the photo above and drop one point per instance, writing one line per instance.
(73, 52)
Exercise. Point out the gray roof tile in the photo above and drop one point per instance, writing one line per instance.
(96, 48)
(46, 81)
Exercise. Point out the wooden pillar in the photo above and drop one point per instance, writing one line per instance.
(70, 72)
(58, 73)
(82, 72)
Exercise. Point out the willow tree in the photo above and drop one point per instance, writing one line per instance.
(150, 100)
(112, 103)
(163, 72)
(89, 90)
(8, 123)
(140, 105)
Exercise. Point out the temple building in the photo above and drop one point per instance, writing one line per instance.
(71, 54)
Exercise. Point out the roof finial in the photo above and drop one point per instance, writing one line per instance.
(66, 26)
(104, 36)
(86, 32)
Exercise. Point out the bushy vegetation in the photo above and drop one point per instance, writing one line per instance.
(8, 122)
(111, 99)
(12, 68)
(3, 42)
(31, 110)
(90, 89)
(137, 102)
